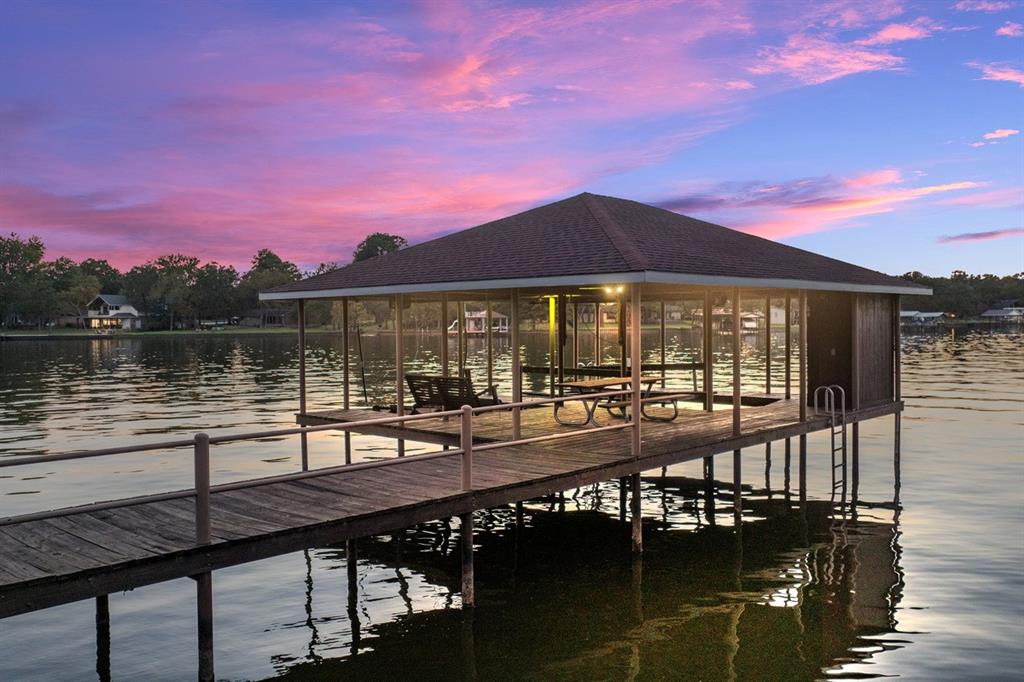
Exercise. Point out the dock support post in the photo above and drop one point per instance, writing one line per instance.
(768, 467)
(635, 520)
(737, 486)
(736, 341)
(444, 335)
(897, 388)
(802, 352)
(461, 311)
(597, 334)
(708, 371)
(787, 467)
(623, 482)
(490, 341)
(399, 366)
(664, 340)
(103, 638)
(303, 440)
(204, 620)
(352, 569)
(636, 361)
(768, 384)
(519, 516)
(788, 372)
(709, 489)
(345, 371)
(201, 473)
(468, 587)
(552, 344)
(517, 372)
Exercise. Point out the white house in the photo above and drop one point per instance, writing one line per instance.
(1004, 314)
(112, 311)
(918, 317)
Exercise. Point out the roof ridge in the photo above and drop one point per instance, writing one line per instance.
(616, 235)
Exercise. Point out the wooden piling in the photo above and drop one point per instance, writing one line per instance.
(303, 441)
(635, 519)
(737, 484)
(736, 345)
(399, 365)
(468, 588)
(517, 372)
(345, 372)
(103, 638)
(204, 621)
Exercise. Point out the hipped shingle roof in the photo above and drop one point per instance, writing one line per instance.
(589, 238)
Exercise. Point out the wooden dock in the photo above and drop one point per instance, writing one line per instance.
(88, 552)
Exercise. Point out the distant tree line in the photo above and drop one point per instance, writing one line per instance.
(964, 295)
(172, 291)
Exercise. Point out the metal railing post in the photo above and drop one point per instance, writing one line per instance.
(202, 488)
(467, 447)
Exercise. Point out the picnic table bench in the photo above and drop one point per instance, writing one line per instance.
(614, 404)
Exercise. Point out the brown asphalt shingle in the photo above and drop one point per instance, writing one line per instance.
(592, 234)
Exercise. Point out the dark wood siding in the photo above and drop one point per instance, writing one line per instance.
(829, 339)
(876, 360)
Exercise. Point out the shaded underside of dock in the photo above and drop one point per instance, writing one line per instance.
(85, 554)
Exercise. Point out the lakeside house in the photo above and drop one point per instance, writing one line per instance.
(112, 311)
(476, 323)
(1011, 314)
(918, 318)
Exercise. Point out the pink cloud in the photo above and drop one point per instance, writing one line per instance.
(813, 60)
(918, 29)
(1000, 72)
(887, 176)
(807, 205)
(982, 5)
(1010, 197)
(981, 236)
(1010, 29)
(1000, 133)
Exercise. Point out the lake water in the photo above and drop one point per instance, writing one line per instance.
(927, 588)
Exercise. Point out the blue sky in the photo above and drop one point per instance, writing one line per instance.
(884, 133)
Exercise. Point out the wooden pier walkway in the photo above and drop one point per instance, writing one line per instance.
(92, 552)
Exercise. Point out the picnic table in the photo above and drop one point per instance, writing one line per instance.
(611, 403)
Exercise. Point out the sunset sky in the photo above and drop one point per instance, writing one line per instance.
(884, 133)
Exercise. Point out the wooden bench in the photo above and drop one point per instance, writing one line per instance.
(448, 393)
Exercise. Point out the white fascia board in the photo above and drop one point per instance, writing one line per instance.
(651, 277)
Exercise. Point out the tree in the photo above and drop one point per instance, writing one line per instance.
(110, 278)
(20, 276)
(176, 277)
(378, 244)
(213, 294)
(268, 271)
(140, 286)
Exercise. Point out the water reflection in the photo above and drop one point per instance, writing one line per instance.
(794, 595)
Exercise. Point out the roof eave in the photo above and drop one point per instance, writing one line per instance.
(649, 276)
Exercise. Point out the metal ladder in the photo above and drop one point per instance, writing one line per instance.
(837, 427)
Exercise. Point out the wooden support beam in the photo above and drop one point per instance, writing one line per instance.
(636, 364)
(768, 344)
(103, 638)
(708, 352)
(575, 333)
(490, 341)
(303, 441)
(346, 373)
(561, 337)
(737, 339)
(737, 484)
(802, 359)
(444, 334)
(204, 622)
(663, 340)
(461, 309)
(552, 343)
(855, 367)
(517, 373)
(636, 523)
(596, 360)
(789, 345)
(897, 389)
(622, 336)
(468, 587)
(352, 569)
(400, 365)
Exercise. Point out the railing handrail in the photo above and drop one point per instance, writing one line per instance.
(201, 464)
(257, 435)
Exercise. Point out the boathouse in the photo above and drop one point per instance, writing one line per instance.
(603, 417)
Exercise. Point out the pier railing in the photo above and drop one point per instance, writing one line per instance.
(201, 443)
